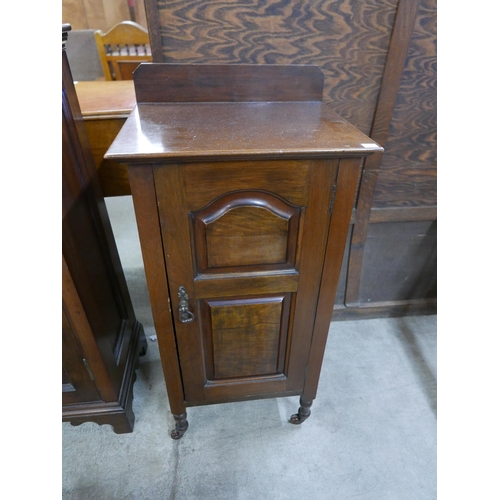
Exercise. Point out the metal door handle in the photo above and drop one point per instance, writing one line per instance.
(185, 315)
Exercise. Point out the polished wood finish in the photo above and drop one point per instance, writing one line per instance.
(122, 49)
(379, 62)
(244, 130)
(223, 83)
(78, 382)
(265, 175)
(241, 344)
(240, 206)
(105, 106)
(101, 335)
(339, 225)
(225, 236)
(101, 133)
(178, 231)
(146, 211)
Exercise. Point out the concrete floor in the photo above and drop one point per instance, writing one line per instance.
(371, 434)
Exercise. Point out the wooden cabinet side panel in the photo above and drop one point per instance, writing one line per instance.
(102, 337)
(144, 197)
(78, 386)
(88, 244)
(79, 331)
(339, 226)
(84, 255)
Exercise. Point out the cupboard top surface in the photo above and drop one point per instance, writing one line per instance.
(237, 130)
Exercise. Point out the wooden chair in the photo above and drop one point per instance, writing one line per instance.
(122, 49)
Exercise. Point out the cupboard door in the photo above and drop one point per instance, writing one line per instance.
(244, 245)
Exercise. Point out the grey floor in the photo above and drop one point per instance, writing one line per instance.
(371, 435)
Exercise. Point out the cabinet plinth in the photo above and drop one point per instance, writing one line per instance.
(243, 190)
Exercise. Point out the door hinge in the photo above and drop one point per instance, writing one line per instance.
(332, 200)
(87, 366)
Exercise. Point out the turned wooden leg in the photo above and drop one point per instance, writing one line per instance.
(303, 413)
(181, 426)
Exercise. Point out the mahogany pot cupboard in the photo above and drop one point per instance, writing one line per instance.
(101, 337)
(243, 184)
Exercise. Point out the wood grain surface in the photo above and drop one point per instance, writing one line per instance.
(101, 334)
(102, 99)
(227, 83)
(249, 228)
(246, 336)
(288, 179)
(195, 342)
(144, 197)
(240, 130)
(347, 39)
(407, 175)
(105, 106)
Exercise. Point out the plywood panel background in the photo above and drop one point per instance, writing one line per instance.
(347, 39)
(407, 176)
(400, 262)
